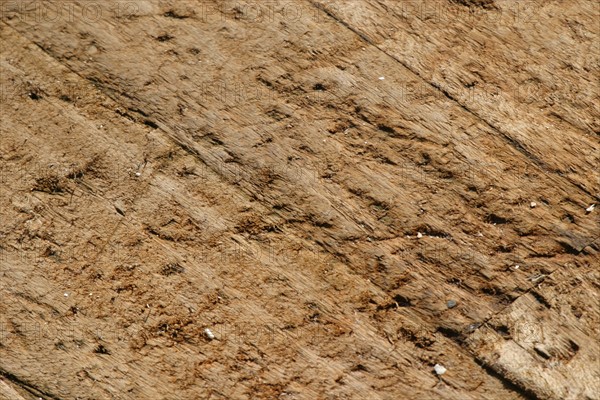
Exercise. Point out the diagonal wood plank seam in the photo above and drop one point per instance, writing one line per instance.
(512, 142)
(495, 370)
(26, 386)
(508, 383)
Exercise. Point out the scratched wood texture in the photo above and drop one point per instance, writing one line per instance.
(314, 182)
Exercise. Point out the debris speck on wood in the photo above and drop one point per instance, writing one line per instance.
(419, 235)
(209, 335)
(451, 303)
(533, 204)
(590, 209)
(439, 369)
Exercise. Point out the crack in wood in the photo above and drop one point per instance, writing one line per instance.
(508, 383)
(28, 387)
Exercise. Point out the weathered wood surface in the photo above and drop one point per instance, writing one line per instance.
(172, 166)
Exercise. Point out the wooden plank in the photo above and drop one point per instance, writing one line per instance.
(284, 190)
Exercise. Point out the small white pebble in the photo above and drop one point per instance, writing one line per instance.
(533, 204)
(66, 294)
(419, 235)
(439, 369)
(590, 208)
(517, 266)
(381, 78)
(138, 174)
(209, 334)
